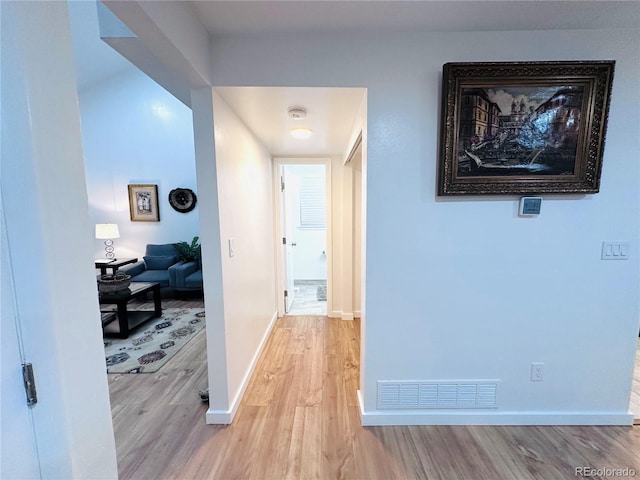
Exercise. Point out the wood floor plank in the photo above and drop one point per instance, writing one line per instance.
(351, 356)
(261, 389)
(305, 449)
(310, 370)
(299, 420)
(337, 451)
(271, 463)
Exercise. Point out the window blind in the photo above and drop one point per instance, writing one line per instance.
(313, 210)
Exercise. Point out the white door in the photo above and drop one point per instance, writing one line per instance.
(18, 450)
(71, 435)
(288, 243)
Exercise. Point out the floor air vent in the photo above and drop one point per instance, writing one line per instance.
(455, 394)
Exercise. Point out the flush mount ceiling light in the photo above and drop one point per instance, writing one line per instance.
(301, 133)
(297, 113)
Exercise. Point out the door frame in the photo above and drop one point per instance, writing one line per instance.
(280, 260)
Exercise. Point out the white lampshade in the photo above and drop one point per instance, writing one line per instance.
(106, 231)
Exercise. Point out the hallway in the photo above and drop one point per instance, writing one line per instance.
(299, 419)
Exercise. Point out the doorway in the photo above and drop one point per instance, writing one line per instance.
(303, 228)
(634, 403)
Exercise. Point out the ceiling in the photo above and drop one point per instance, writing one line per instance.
(223, 18)
(95, 60)
(331, 112)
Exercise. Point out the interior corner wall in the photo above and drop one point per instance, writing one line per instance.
(356, 166)
(245, 201)
(345, 213)
(341, 282)
(358, 192)
(464, 288)
(135, 132)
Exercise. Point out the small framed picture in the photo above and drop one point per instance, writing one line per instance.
(143, 203)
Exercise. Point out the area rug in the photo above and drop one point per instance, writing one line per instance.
(153, 344)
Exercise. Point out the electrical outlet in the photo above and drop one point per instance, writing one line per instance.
(537, 372)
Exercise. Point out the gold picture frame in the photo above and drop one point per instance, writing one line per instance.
(143, 203)
(523, 127)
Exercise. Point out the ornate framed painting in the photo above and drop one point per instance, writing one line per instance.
(143, 203)
(524, 127)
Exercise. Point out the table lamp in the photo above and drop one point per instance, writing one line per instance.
(107, 232)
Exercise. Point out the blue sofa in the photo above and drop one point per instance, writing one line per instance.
(186, 277)
(157, 265)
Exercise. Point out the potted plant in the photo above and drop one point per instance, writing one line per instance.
(188, 252)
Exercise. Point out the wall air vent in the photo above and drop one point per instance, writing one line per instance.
(450, 394)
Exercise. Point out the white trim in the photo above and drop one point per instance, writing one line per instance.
(354, 146)
(218, 417)
(360, 406)
(357, 314)
(342, 315)
(280, 275)
(225, 417)
(277, 228)
(377, 418)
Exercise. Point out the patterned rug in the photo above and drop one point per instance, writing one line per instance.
(154, 343)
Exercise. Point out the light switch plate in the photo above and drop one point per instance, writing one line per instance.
(615, 251)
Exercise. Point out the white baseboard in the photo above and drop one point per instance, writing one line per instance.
(357, 314)
(341, 315)
(386, 418)
(218, 417)
(225, 417)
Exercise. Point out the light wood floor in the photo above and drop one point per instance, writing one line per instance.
(299, 420)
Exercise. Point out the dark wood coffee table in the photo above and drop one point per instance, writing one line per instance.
(129, 319)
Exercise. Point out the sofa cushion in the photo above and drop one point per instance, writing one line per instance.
(160, 262)
(194, 280)
(165, 249)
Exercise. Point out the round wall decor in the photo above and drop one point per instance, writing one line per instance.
(182, 200)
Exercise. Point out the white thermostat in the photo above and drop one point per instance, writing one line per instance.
(530, 206)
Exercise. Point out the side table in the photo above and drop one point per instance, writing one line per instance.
(114, 265)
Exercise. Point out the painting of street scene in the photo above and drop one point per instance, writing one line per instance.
(519, 130)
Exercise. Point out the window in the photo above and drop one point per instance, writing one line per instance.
(313, 210)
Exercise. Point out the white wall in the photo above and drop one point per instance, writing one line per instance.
(245, 200)
(445, 277)
(134, 131)
(47, 227)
